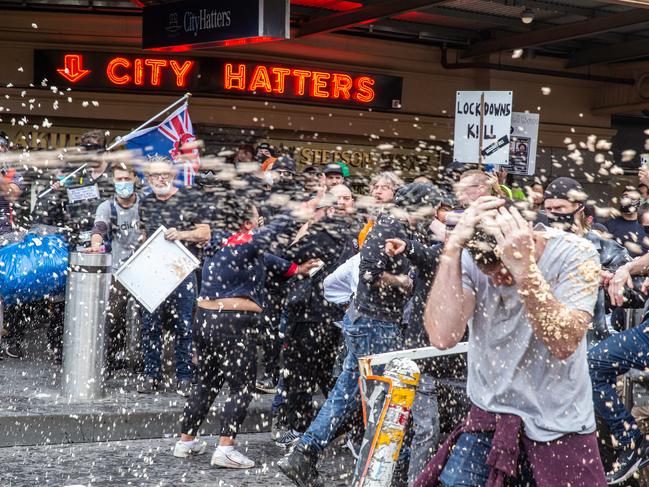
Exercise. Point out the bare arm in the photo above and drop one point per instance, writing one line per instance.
(449, 306)
(560, 328)
(637, 267)
(401, 281)
(200, 234)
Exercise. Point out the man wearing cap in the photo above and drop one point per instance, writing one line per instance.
(334, 175)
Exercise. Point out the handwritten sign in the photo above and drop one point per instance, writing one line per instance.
(494, 130)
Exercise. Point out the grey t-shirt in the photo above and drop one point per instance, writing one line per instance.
(510, 370)
(124, 237)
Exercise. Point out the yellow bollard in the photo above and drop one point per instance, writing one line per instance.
(386, 416)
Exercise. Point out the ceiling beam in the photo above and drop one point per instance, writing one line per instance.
(361, 15)
(627, 3)
(608, 54)
(560, 33)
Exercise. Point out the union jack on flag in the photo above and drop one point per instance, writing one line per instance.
(168, 139)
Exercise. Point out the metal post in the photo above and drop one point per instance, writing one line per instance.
(86, 301)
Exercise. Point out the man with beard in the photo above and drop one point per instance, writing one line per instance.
(179, 210)
(311, 337)
(370, 326)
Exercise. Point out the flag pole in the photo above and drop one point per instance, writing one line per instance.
(119, 140)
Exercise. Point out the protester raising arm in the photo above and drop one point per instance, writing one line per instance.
(560, 327)
(623, 277)
(450, 305)
(199, 234)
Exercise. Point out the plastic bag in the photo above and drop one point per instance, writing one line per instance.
(33, 269)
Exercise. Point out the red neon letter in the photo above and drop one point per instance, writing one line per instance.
(342, 84)
(281, 74)
(181, 71)
(365, 93)
(319, 83)
(156, 65)
(260, 79)
(110, 71)
(235, 81)
(301, 76)
(138, 72)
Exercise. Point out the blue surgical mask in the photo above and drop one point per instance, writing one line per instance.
(124, 190)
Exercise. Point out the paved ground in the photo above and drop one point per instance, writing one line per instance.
(150, 463)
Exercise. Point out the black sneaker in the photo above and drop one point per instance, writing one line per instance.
(148, 386)
(266, 385)
(288, 439)
(300, 467)
(629, 462)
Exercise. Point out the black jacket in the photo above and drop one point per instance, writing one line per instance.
(330, 241)
(612, 256)
(383, 303)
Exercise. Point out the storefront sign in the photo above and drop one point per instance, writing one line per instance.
(132, 72)
(495, 127)
(195, 24)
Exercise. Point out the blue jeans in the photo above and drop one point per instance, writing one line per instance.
(177, 310)
(365, 336)
(610, 358)
(467, 463)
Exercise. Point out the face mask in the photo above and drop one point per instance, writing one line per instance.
(632, 208)
(124, 190)
(564, 221)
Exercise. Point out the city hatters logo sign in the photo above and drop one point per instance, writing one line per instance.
(193, 24)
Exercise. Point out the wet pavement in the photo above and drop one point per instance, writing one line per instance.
(150, 463)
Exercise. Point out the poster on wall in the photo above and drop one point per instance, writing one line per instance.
(494, 129)
(522, 147)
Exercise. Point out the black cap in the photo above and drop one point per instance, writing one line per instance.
(284, 163)
(417, 195)
(311, 170)
(565, 188)
(333, 169)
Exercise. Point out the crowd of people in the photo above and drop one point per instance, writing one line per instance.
(300, 273)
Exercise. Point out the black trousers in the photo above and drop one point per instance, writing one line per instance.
(226, 349)
(309, 358)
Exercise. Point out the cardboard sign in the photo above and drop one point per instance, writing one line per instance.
(495, 127)
(522, 148)
(83, 193)
(156, 269)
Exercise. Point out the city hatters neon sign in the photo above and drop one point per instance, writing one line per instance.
(305, 82)
(211, 76)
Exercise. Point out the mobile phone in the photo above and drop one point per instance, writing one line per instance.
(316, 269)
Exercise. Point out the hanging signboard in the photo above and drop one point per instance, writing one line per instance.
(196, 24)
(522, 147)
(124, 72)
(482, 117)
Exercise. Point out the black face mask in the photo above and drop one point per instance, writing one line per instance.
(646, 230)
(564, 221)
(632, 208)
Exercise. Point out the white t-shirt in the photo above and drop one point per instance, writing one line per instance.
(510, 370)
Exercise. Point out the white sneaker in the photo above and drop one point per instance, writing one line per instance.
(187, 449)
(231, 459)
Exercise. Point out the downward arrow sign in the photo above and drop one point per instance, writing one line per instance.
(73, 70)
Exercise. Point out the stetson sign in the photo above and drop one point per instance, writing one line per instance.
(195, 24)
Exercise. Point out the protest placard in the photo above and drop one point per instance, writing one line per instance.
(482, 127)
(522, 146)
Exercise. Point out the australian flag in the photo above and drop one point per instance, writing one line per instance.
(169, 139)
